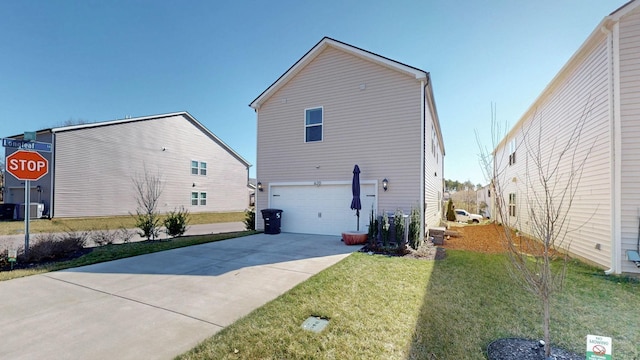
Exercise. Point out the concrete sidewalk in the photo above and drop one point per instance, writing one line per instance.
(17, 241)
(155, 306)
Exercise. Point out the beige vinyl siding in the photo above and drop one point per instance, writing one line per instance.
(95, 167)
(582, 89)
(630, 131)
(371, 118)
(433, 177)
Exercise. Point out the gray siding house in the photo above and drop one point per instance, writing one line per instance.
(92, 167)
(600, 84)
(336, 107)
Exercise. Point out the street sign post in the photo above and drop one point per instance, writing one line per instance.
(27, 166)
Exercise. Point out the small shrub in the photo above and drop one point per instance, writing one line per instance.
(176, 222)
(451, 214)
(125, 235)
(250, 219)
(102, 237)
(4, 259)
(384, 231)
(149, 224)
(398, 221)
(414, 229)
(372, 235)
(50, 247)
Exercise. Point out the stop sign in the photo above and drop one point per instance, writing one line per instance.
(27, 165)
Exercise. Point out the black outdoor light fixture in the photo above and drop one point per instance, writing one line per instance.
(260, 186)
(385, 184)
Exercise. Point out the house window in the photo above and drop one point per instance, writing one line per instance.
(433, 140)
(512, 152)
(313, 124)
(198, 167)
(512, 204)
(198, 198)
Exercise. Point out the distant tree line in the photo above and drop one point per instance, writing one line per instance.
(455, 185)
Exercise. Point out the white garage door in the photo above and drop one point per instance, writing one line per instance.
(325, 209)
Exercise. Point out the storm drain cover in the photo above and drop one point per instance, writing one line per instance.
(314, 324)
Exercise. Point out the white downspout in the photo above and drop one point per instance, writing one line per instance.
(52, 170)
(616, 147)
(617, 133)
(422, 158)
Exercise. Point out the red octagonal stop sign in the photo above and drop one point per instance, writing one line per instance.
(27, 165)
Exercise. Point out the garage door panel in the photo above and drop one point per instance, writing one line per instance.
(321, 209)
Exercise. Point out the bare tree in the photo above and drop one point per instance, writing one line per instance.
(148, 189)
(537, 248)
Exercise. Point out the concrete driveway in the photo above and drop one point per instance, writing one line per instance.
(155, 306)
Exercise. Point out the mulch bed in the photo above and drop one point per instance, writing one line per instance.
(6, 266)
(523, 349)
(479, 238)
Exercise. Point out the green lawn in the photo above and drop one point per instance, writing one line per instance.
(394, 308)
(104, 223)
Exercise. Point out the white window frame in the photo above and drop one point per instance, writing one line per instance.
(512, 151)
(200, 168)
(321, 124)
(512, 204)
(200, 198)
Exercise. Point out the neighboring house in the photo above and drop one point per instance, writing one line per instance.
(483, 201)
(600, 84)
(336, 107)
(92, 167)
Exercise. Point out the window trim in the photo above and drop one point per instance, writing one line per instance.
(512, 151)
(198, 169)
(321, 124)
(512, 204)
(200, 198)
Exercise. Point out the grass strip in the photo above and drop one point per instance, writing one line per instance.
(104, 223)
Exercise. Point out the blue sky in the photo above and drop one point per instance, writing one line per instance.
(96, 60)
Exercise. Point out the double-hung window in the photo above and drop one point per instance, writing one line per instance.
(198, 168)
(313, 120)
(512, 152)
(512, 204)
(198, 198)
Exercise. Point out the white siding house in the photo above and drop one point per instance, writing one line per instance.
(483, 201)
(600, 85)
(336, 107)
(92, 168)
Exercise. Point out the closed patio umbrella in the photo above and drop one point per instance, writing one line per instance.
(355, 190)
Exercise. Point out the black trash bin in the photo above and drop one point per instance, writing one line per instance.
(271, 219)
(7, 211)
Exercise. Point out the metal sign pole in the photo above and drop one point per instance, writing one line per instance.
(27, 215)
